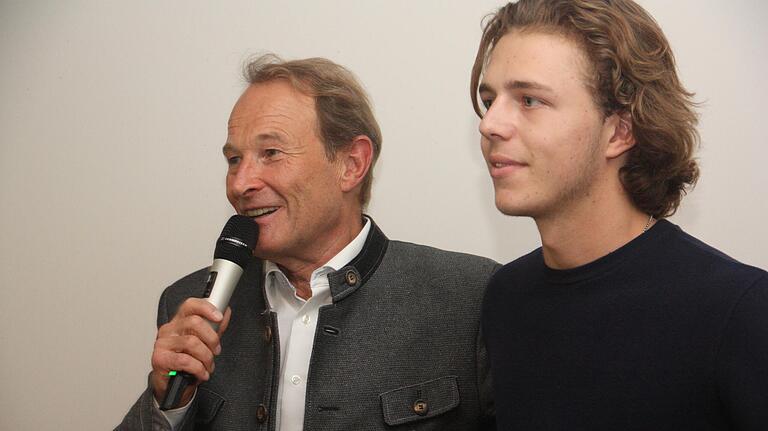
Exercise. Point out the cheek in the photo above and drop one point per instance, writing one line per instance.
(302, 189)
(229, 190)
(485, 147)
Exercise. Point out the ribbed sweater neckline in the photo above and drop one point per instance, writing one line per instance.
(609, 262)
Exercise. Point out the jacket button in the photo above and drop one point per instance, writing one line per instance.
(420, 407)
(261, 413)
(351, 277)
(268, 334)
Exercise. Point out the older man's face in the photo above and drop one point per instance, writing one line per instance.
(279, 173)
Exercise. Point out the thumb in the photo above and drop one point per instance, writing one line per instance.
(225, 321)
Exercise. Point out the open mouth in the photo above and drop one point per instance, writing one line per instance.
(261, 212)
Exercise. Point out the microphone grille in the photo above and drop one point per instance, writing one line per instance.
(237, 240)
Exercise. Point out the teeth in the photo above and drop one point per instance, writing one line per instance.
(260, 211)
(499, 165)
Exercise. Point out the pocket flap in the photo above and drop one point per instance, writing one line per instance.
(208, 404)
(420, 401)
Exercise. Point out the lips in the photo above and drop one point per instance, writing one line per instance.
(500, 166)
(260, 212)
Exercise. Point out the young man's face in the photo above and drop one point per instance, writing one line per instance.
(543, 136)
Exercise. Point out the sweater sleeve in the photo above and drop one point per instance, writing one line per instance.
(742, 360)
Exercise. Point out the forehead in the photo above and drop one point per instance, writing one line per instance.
(274, 104)
(542, 57)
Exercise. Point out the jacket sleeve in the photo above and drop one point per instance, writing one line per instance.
(485, 380)
(485, 387)
(143, 415)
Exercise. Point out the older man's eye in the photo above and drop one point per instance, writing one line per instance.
(270, 153)
(233, 160)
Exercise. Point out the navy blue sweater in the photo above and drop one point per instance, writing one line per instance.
(665, 333)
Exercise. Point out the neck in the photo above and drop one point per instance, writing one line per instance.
(299, 270)
(590, 229)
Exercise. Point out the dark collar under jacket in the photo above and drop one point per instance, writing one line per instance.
(346, 280)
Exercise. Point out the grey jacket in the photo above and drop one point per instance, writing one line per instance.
(398, 349)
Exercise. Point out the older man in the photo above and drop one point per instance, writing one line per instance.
(333, 326)
(620, 321)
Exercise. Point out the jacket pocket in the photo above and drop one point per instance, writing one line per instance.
(208, 404)
(420, 401)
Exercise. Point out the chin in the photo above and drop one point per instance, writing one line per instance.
(511, 208)
(515, 212)
(264, 251)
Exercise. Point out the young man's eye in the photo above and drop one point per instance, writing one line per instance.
(487, 102)
(530, 102)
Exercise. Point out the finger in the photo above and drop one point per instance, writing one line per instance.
(199, 327)
(168, 351)
(191, 320)
(200, 307)
(178, 362)
(188, 364)
(225, 321)
(190, 325)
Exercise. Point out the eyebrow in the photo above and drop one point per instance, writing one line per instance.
(516, 85)
(228, 146)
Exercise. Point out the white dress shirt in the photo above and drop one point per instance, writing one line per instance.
(297, 322)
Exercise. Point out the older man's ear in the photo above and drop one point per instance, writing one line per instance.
(354, 161)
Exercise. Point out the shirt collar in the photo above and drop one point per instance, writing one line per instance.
(337, 262)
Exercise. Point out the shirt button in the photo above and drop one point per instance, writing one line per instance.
(305, 319)
(296, 380)
(268, 334)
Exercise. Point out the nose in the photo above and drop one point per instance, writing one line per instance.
(246, 178)
(498, 123)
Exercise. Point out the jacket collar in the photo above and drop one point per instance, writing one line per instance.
(347, 279)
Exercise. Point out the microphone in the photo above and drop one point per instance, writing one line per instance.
(233, 252)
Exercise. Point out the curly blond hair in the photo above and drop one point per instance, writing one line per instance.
(634, 71)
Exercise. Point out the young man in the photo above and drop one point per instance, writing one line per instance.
(620, 321)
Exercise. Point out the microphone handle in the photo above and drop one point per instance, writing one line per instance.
(176, 384)
(222, 280)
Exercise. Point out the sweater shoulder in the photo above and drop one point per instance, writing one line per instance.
(690, 252)
(524, 266)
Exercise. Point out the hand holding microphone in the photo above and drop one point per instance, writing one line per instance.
(186, 346)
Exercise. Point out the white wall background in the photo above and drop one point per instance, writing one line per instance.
(113, 114)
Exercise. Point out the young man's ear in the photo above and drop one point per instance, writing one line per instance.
(622, 137)
(355, 161)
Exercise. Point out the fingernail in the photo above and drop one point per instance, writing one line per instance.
(217, 315)
(218, 349)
